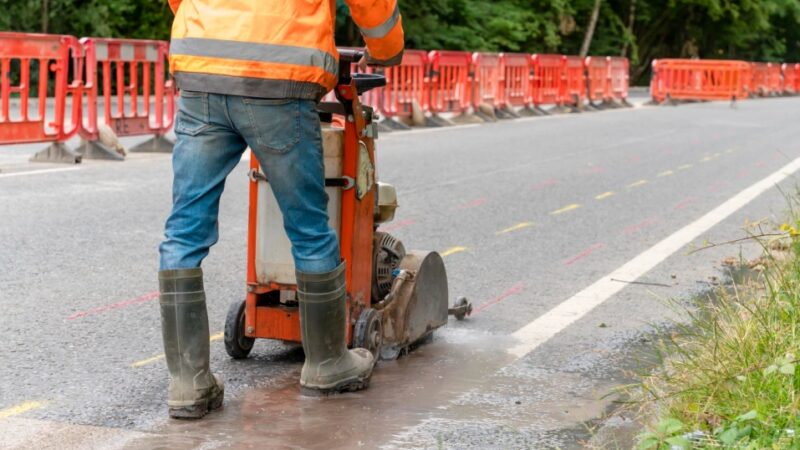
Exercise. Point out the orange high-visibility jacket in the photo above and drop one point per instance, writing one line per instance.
(273, 48)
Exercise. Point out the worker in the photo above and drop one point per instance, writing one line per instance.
(251, 73)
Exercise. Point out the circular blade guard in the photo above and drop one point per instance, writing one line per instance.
(420, 306)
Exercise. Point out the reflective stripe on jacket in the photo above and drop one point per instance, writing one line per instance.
(273, 48)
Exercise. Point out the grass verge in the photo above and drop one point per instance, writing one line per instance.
(730, 379)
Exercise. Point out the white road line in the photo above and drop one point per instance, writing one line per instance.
(536, 333)
(38, 172)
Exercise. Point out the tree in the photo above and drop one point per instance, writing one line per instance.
(587, 40)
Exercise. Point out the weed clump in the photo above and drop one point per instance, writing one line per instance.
(731, 379)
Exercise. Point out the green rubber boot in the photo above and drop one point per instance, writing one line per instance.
(329, 367)
(193, 389)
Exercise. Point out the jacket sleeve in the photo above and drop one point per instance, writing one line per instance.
(174, 4)
(382, 27)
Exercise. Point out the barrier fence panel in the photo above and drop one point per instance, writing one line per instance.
(597, 78)
(54, 63)
(449, 82)
(486, 77)
(547, 79)
(516, 80)
(127, 79)
(760, 85)
(618, 78)
(574, 88)
(405, 84)
(774, 79)
(791, 78)
(689, 79)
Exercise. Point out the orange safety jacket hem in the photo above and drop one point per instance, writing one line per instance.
(252, 69)
(249, 86)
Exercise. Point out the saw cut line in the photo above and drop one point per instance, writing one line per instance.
(541, 330)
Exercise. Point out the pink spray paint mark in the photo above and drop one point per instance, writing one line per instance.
(514, 290)
(150, 296)
(584, 254)
(397, 226)
(684, 203)
(597, 169)
(716, 187)
(640, 226)
(544, 184)
(743, 173)
(761, 164)
(475, 203)
(635, 158)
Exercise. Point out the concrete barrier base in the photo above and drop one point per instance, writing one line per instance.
(57, 152)
(158, 144)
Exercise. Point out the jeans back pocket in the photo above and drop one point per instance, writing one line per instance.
(193, 116)
(275, 123)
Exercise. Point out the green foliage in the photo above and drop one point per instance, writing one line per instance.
(748, 29)
(732, 378)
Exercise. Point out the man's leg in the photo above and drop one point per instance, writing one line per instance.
(206, 151)
(285, 136)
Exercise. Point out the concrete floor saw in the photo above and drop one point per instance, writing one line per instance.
(395, 298)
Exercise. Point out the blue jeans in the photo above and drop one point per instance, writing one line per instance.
(213, 131)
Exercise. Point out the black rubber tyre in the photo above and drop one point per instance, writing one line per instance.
(368, 332)
(237, 344)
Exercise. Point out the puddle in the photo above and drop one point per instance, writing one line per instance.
(402, 393)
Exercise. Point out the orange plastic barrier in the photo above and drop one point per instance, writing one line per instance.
(404, 85)
(692, 79)
(516, 80)
(486, 79)
(56, 61)
(598, 78)
(547, 79)
(619, 76)
(761, 77)
(574, 89)
(791, 78)
(449, 82)
(774, 79)
(120, 72)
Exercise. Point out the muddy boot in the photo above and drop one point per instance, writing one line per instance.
(193, 389)
(330, 367)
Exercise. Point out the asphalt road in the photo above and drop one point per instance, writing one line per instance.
(528, 212)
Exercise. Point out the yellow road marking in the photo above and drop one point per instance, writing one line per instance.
(666, 173)
(19, 409)
(685, 166)
(707, 159)
(637, 184)
(147, 361)
(516, 227)
(730, 150)
(144, 362)
(453, 251)
(604, 195)
(717, 155)
(567, 208)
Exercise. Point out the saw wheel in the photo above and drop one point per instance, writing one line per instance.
(368, 332)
